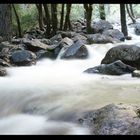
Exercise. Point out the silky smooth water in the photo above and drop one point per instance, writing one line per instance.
(45, 98)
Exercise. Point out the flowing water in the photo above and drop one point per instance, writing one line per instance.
(45, 99)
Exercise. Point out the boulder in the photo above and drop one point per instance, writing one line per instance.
(3, 71)
(56, 39)
(115, 68)
(128, 54)
(100, 39)
(68, 34)
(34, 44)
(114, 33)
(80, 37)
(100, 26)
(7, 45)
(4, 63)
(23, 58)
(112, 119)
(136, 73)
(45, 54)
(76, 50)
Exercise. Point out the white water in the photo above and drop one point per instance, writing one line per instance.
(45, 99)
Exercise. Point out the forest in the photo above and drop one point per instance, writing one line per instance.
(70, 69)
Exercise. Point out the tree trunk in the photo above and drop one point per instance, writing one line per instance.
(102, 11)
(18, 21)
(48, 20)
(131, 9)
(40, 16)
(67, 18)
(130, 14)
(54, 18)
(88, 11)
(123, 20)
(6, 21)
(62, 17)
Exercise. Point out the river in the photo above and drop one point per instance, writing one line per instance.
(45, 98)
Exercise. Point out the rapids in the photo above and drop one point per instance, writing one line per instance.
(47, 97)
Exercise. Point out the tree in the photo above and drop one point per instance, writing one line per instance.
(18, 21)
(40, 16)
(67, 23)
(123, 20)
(62, 16)
(88, 14)
(48, 20)
(54, 18)
(6, 21)
(102, 11)
(130, 12)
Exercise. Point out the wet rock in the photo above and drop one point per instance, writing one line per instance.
(4, 63)
(68, 34)
(76, 50)
(100, 26)
(34, 44)
(56, 39)
(113, 119)
(46, 41)
(128, 54)
(45, 54)
(114, 33)
(100, 39)
(136, 73)
(80, 37)
(3, 71)
(23, 58)
(115, 68)
(7, 45)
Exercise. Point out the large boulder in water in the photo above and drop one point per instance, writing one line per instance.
(100, 26)
(76, 50)
(115, 68)
(114, 33)
(128, 54)
(112, 119)
(23, 58)
(100, 39)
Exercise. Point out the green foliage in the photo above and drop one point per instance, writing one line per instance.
(28, 17)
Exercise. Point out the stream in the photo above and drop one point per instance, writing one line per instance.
(45, 98)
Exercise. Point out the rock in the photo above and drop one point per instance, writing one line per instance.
(23, 58)
(56, 39)
(113, 119)
(4, 63)
(136, 73)
(76, 50)
(46, 41)
(7, 45)
(100, 39)
(3, 71)
(128, 54)
(68, 34)
(137, 29)
(114, 33)
(34, 44)
(45, 54)
(115, 68)
(16, 41)
(100, 26)
(80, 37)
